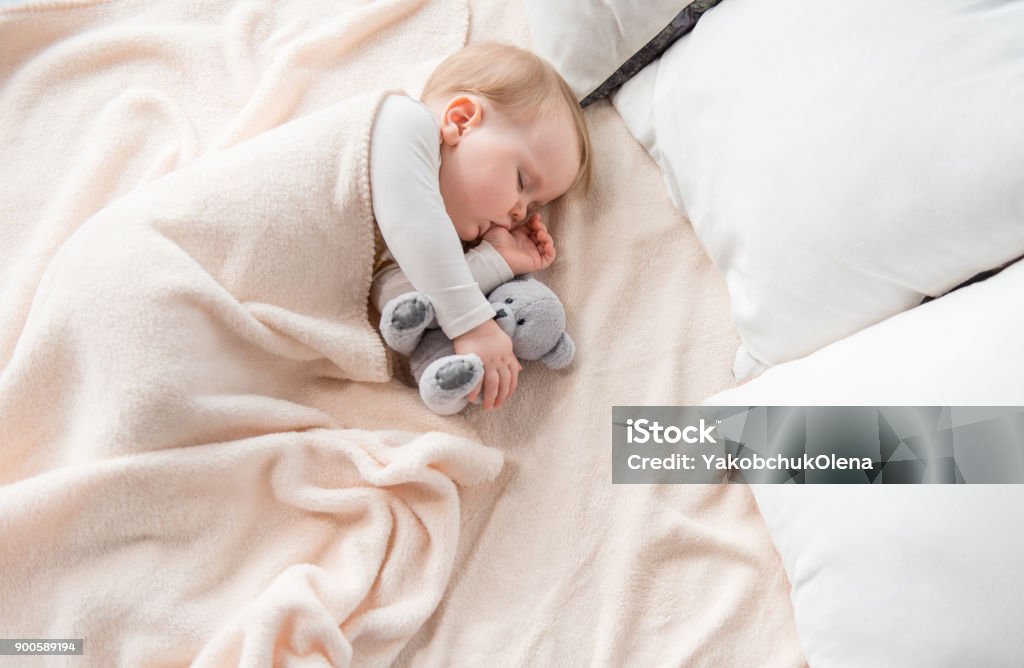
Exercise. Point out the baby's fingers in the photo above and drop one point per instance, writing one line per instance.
(504, 388)
(492, 383)
(475, 392)
(546, 247)
(514, 378)
(539, 231)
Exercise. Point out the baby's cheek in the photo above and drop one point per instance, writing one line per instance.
(499, 186)
(467, 181)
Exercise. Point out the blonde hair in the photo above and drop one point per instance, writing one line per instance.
(515, 81)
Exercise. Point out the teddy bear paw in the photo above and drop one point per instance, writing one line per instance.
(404, 320)
(446, 382)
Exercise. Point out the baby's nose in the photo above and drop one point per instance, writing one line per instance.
(517, 212)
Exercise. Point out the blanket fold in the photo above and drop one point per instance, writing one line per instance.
(205, 458)
(329, 545)
(193, 310)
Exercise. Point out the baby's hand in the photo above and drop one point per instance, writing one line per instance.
(501, 367)
(526, 248)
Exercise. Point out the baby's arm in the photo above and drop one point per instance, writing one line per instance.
(486, 265)
(501, 256)
(404, 166)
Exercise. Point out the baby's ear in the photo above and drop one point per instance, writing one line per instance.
(561, 355)
(460, 114)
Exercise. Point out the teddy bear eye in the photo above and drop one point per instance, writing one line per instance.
(521, 321)
(509, 300)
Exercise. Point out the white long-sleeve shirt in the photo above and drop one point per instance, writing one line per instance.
(405, 160)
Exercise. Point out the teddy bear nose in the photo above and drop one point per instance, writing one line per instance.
(500, 314)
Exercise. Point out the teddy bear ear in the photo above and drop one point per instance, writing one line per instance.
(561, 355)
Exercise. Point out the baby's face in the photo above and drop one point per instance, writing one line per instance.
(495, 170)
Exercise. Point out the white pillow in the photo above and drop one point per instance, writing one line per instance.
(840, 160)
(902, 575)
(588, 40)
(961, 349)
(914, 575)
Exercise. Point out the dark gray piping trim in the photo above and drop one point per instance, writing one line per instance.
(683, 23)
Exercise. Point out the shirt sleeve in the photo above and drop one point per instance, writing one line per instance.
(405, 160)
(487, 266)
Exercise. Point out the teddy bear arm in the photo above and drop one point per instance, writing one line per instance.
(433, 346)
(404, 321)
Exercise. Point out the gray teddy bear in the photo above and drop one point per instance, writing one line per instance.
(527, 310)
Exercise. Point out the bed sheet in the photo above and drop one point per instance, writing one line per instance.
(557, 566)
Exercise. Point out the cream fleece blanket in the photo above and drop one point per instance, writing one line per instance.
(198, 466)
(339, 540)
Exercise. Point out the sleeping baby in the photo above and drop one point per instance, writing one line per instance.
(497, 134)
